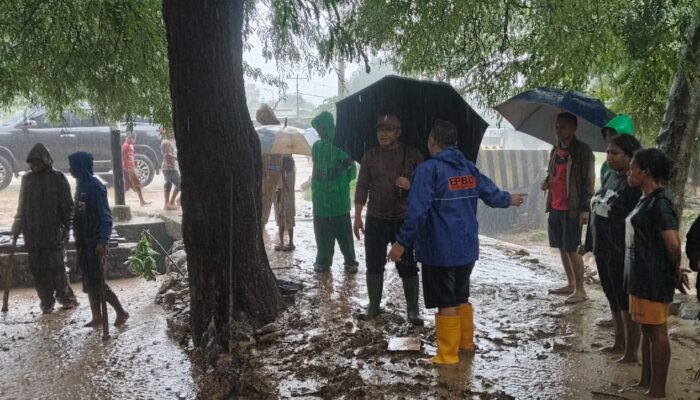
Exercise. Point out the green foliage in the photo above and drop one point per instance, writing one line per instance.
(141, 262)
(626, 50)
(110, 54)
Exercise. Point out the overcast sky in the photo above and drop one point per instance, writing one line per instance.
(315, 89)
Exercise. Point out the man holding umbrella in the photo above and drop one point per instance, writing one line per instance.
(384, 177)
(570, 185)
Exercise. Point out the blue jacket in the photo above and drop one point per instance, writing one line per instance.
(441, 222)
(93, 193)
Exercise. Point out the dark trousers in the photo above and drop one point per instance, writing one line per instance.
(379, 233)
(49, 272)
(327, 231)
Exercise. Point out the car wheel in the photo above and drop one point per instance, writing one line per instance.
(144, 169)
(5, 173)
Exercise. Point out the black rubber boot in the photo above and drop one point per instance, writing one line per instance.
(375, 284)
(411, 291)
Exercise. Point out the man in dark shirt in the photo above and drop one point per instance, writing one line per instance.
(384, 179)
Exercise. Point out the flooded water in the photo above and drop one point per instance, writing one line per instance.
(55, 357)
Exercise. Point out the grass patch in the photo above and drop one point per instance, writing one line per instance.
(539, 237)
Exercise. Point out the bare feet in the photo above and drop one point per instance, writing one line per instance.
(627, 359)
(170, 207)
(93, 324)
(576, 298)
(145, 203)
(561, 290)
(121, 318)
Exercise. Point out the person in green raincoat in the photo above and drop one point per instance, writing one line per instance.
(620, 125)
(330, 194)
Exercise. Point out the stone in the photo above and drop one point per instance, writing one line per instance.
(690, 310)
(121, 213)
(179, 258)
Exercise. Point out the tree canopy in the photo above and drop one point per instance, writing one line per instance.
(625, 52)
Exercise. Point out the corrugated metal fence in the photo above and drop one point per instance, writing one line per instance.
(517, 171)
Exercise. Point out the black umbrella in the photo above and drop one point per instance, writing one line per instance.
(417, 104)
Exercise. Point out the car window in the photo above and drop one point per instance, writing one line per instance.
(43, 122)
(81, 121)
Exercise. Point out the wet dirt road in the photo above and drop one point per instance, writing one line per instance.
(530, 344)
(55, 357)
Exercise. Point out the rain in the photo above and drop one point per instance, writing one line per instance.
(417, 240)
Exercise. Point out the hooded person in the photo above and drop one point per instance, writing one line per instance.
(44, 218)
(332, 173)
(620, 125)
(92, 228)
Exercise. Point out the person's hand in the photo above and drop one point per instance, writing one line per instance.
(396, 252)
(517, 199)
(583, 218)
(66, 237)
(358, 227)
(101, 250)
(683, 284)
(545, 185)
(403, 183)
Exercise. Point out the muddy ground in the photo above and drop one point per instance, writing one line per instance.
(530, 344)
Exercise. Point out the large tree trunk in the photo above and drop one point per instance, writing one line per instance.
(680, 125)
(219, 154)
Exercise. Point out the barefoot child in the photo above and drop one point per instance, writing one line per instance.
(131, 180)
(171, 172)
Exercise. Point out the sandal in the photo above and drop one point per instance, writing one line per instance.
(279, 247)
(289, 247)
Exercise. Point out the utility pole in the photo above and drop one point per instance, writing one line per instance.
(340, 71)
(296, 78)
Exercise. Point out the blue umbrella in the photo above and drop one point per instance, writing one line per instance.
(278, 139)
(535, 111)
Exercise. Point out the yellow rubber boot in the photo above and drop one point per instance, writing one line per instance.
(466, 321)
(447, 335)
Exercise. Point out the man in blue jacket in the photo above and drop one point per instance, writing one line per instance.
(92, 227)
(441, 225)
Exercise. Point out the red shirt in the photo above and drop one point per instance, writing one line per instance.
(128, 157)
(557, 185)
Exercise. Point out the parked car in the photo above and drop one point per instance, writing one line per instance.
(73, 133)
